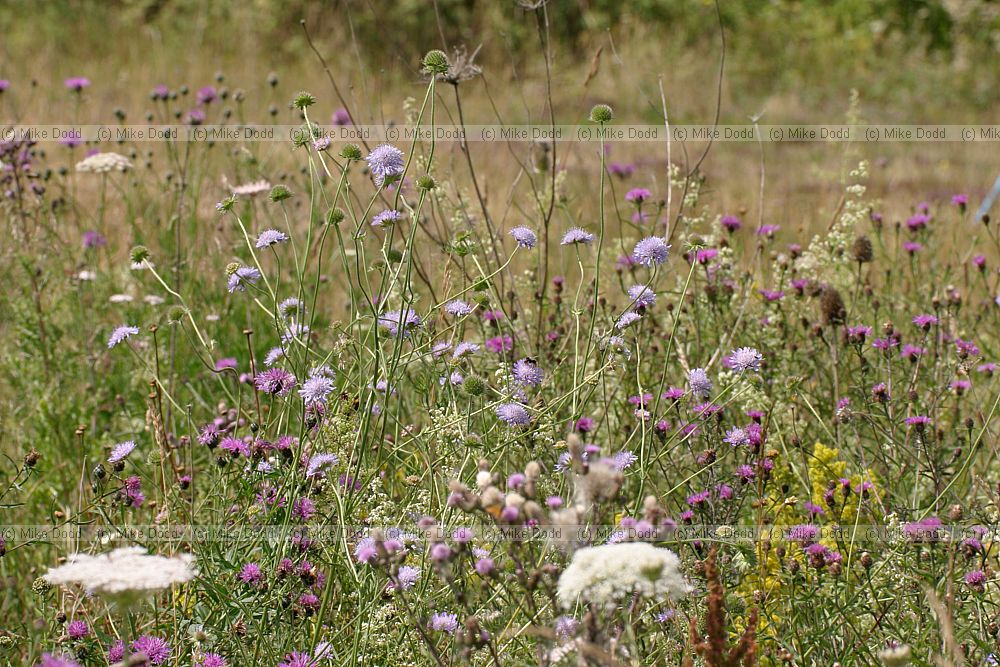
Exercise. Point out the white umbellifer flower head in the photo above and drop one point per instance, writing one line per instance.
(102, 163)
(123, 572)
(251, 189)
(608, 574)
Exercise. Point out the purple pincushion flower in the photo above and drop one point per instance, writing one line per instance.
(745, 359)
(513, 414)
(270, 237)
(121, 451)
(121, 334)
(385, 163)
(651, 251)
(458, 308)
(699, 382)
(642, 296)
(524, 236)
(386, 218)
(576, 235)
(240, 277)
(275, 381)
(526, 372)
(444, 622)
(316, 389)
(400, 322)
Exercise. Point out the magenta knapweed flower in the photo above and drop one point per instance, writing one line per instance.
(768, 230)
(77, 629)
(745, 359)
(731, 223)
(858, 334)
(706, 255)
(638, 195)
(925, 321)
(804, 533)
(195, 117)
(385, 163)
(772, 295)
(235, 446)
(672, 394)
(116, 652)
(157, 651)
(621, 169)
(584, 424)
(270, 237)
(524, 236)
(919, 422)
(912, 247)
(917, 222)
(912, 352)
(121, 451)
(500, 344)
(4, 85)
(976, 579)
(275, 381)
(960, 200)
(575, 236)
(924, 529)
(49, 660)
(121, 334)
(651, 251)
(76, 83)
(297, 659)
(513, 414)
(251, 574)
(212, 660)
(206, 95)
(92, 239)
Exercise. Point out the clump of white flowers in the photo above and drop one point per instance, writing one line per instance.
(102, 163)
(123, 571)
(608, 574)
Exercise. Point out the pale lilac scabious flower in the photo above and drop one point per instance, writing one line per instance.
(408, 576)
(316, 389)
(319, 462)
(626, 319)
(120, 334)
(273, 355)
(386, 218)
(458, 308)
(524, 236)
(241, 277)
(444, 622)
(385, 163)
(745, 359)
(577, 235)
(699, 382)
(270, 237)
(737, 437)
(513, 414)
(121, 451)
(392, 320)
(157, 651)
(623, 459)
(464, 349)
(642, 296)
(651, 251)
(527, 372)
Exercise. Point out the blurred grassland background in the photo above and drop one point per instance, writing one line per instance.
(911, 61)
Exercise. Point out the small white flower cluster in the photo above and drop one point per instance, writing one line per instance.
(126, 570)
(102, 163)
(251, 189)
(607, 575)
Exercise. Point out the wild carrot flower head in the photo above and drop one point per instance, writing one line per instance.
(608, 574)
(651, 251)
(385, 163)
(123, 570)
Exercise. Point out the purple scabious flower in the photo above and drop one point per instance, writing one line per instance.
(745, 359)
(316, 389)
(291, 307)
(270, 237)
(408, 576)
(638, 195)
(398, 322)
(251, 575)
(626, 319)
(458, 308)
(731, 223)
(642, 296)
(925, 321)
(737, 437)
(241, 277)
(120, 334)
(526, 372)
(524, 236)
(465, 349)
(385, 163)
(212, 660)
(623, 459)
(120, 451)
(576, 235)
(513, 414)
(225, 362)
(699, 382)
(77, 629)
(156, 650)
(318, 463)
(566, 627)
(76, 83)
(651, 251)
(444, 622)
(386, 218)
(275, 381)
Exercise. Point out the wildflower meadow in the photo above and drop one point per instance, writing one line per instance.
(499, 334)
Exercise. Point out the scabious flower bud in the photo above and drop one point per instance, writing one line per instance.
(426, 182)
(138, 254)
(602, 113)
(279, 193)
(335, 216)
(435, 62)
(351, 152)
(474, 385)
(303, 99)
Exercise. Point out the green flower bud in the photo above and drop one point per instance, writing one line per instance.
(139, 254)
(303, 100)
(280, 193)
(226, 204)
(602, 113)
(474, 385)
(426, 182)
(350, 152)
(435, 62)
(394, 256)
(335, 216)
